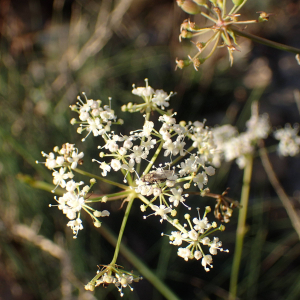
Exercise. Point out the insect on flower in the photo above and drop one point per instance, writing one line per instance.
(157, 176)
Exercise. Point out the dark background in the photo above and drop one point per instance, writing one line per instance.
(50, 52)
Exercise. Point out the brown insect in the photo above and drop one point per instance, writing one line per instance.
(157, 176)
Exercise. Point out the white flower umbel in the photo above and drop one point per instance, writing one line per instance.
(196, 238)
(93, 118)
(153, 99)
(162, 162)
(171, 141)
(67, 156)
(111, 274)
(232, 146)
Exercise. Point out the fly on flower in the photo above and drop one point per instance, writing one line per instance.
(157, 176)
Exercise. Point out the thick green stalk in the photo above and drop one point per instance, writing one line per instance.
(125, 218)
(139, 265)
(265, 41)
(241, 229)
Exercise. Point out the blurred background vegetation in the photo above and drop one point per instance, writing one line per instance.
(53, 50)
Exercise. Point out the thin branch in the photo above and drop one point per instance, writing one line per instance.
(286, 202)
(265, 41)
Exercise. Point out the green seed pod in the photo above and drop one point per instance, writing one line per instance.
(189, 7)
(220, 3)
(237, 2)
(200, 2)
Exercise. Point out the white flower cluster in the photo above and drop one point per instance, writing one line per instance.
(289, 141)
(231, 145)
(93, 118)
(112, 275)
(196, 237)
(74, 199)
(153, 99)
(128, 152)
(67, 156)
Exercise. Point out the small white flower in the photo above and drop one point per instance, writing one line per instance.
(104, 213)
(215, 245)
(207, 261)
(75, 157)
(200, 179)
(147, 128)
(176, 238)
(185, 253)
(177, 197)
(201, 225)
(193, 235)
(210, 171)
(197, 254)
(149, 144)
(162, 211)
(50, 160)
(115, 164)
(138, 154)
(59, 177)
(111, 145)
(143, 91)
(105, 167)
(160, 98)
(75, 225)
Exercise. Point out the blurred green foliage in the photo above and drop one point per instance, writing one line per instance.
(53, 50)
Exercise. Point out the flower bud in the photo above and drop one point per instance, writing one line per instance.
(189, 6)
(237, 2)
(173, 213)
(185, 34)
(263, 16)
(97, 224)
(181, 63)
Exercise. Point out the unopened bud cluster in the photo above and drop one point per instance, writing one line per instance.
(221, 27)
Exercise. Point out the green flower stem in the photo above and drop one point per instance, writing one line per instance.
(154, 158)
(241, 229)
(224, 8)
(110, 197)
(41, 185)
(209, 17)
(214, 47)
(217, 34)
(162, 112)
(144, 199)
(265, 41)
(232, 10)
(125, 218)
(236, 8)
(139, 265)
(122, 186)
